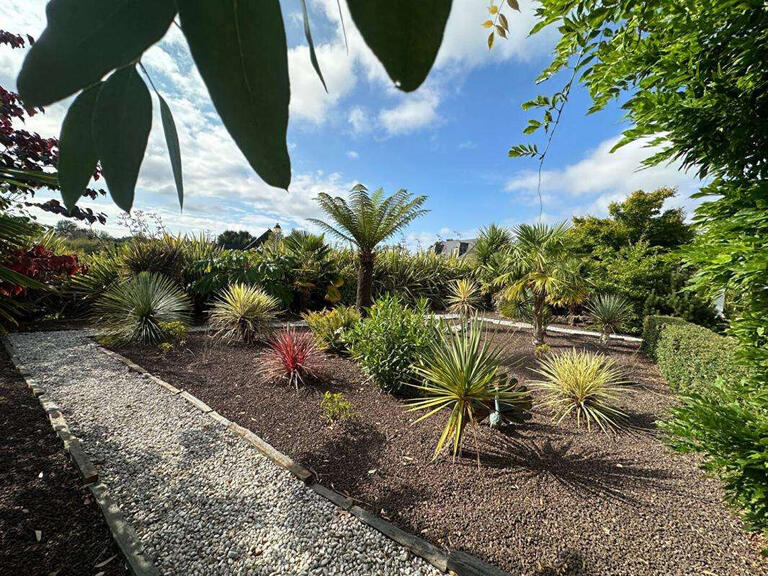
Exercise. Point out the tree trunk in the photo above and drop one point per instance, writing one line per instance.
(365, 281)
(539, 330)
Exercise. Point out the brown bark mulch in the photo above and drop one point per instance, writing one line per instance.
(40, 490)
(547, 499)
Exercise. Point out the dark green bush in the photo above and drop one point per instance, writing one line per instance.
(722, 412)
(691, 357)
(652, 326)
(390, 340)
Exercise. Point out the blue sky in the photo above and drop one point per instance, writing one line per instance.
(448, 140)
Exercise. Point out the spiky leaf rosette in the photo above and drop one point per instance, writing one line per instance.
(135, 310)
(292, 356)
(461, 375)
(582, 383)
(244, 313)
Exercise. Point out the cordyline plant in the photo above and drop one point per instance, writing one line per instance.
(292, 356)
(241, 53)
(585, 384)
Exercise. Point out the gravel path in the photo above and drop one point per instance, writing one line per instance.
(202, 501)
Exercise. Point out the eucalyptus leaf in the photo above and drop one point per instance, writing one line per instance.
(404, 35)
(78, 156)
(172, 141)
(240, 50)
(308, 36)
(121, 124)
(86, 39)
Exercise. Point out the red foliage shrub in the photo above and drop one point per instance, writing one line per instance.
(293, 356)
(41, 265)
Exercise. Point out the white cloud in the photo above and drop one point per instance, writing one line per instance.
(359, 121)
(352, 154)
(414, 112)
(603, 177)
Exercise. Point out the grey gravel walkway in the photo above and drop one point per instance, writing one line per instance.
(202, 500)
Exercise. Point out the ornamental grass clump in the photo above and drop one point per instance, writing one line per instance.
(292, 356)
(610, 313)
(585, 384)
(137, 310)
(243, 313)
(461, 375)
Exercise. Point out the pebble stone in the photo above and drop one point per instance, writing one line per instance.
(202, 501)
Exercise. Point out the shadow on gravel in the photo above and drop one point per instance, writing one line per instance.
(568, 563)
(582, 470)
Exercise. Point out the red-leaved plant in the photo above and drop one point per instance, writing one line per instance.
(39, 264)
(293, 356)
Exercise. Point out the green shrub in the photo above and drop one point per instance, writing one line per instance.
(691, 357)
(175, 334)
(585, 384)
(244, 313)
(330, 326)
(722, 413)
(390, 340)
(163, 256)
(137, 310)
(652, 326)
(336, 408)
(541, 351)
(728, 422)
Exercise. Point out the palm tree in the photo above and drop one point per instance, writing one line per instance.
(366, 220)
(574, 290)
(535, 270)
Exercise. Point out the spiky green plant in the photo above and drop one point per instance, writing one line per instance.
(584, 383)
(610, 313)
(461, 375)
(135, 311)
(464, 298)
(244, 313)
(366, 220)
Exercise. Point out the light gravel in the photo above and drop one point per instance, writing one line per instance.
(202, 501)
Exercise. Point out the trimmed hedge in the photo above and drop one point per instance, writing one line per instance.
(691, 357)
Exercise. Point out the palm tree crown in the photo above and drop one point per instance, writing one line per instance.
(368, 219)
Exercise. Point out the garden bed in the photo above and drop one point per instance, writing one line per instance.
(546, 499)
(40, 490)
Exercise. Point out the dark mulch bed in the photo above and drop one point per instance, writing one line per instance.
(547, 499)
(41, 490)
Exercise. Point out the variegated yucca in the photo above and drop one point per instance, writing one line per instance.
(461, 375)
(584, 383)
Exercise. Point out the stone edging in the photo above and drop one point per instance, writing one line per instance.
(458, 563)
(122, 532)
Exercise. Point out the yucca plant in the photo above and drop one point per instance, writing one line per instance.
(461, 375)
(464, 298)
(243, 312)
(584, 383)
(610, 313)
(328, 326)
(292, 356)
(135, 311)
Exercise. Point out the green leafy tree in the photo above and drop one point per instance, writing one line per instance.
(691, 77)
(234, 239)
(239, 49)
(367, 220)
